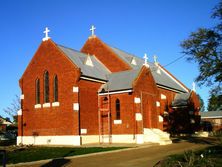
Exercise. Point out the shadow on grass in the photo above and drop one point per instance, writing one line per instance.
(197, 140)
(57, 162)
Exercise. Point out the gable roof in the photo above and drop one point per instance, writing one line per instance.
(120, 80)
(163, 78)
(211, 114)
(98, 70)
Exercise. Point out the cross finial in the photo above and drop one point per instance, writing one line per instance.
(92, 29)
(155, 59)
(194, 87)
(46, 32)
(145, 60)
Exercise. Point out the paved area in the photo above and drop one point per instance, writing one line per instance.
(143, 156)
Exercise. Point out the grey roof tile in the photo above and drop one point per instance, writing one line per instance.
(120, 80)
(98, 71)
(161, 79)
(211, 114)
(181, 99)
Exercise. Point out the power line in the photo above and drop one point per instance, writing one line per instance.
(174, 61)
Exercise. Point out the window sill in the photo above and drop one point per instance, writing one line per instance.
(38, 106)
(45, 105)
(117, 121)
(55, 104)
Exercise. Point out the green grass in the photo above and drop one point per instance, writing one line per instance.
(40, 153)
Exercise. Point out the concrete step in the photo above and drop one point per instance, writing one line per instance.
(156, 136)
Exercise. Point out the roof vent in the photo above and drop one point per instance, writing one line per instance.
(158, 70)
(133, 61)
(88, 61)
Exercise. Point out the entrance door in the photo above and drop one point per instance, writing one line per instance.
(149, 111)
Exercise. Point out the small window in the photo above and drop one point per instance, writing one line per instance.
(37, 91)
(55, 91)
(117, 109)
(46, 87)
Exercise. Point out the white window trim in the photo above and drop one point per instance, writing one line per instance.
(46, 105)
(55, 104)
(38, 106)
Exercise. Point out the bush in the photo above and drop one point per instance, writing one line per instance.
(188, 159)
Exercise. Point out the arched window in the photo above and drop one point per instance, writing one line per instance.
(46, 87)
(117, 109)
(37, 91)
(55, 88)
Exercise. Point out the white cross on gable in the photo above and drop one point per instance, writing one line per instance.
(155, 59)
(145, 60)
(194, 86)
(46, 32)
(92, 29)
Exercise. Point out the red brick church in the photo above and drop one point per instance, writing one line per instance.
(100, 94)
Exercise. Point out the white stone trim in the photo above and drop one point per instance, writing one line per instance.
(55, 104)
(22, 97)
(211, 117)
(38, 106)
(157, 103)
(115, 92)
(127, 138)
(174, 90)
(83, 131)
(49, 140)
(95, 80)
(160, 118)
(140, 139)
(137, 100)
(46, 105)
(162, 96)
(76, 106)
(139, 117)
(19, 112)
(75, 89)
(89, 139)
(117, 121)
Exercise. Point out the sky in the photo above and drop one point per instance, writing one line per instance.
(136, 26)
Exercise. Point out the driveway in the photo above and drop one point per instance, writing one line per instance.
(142, 156)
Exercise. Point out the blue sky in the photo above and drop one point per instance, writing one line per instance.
(136, 26)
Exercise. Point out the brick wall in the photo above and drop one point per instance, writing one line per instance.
(88, 99)
(60, 120)
(94, 46)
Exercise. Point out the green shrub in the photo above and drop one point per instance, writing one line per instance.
(188, 159)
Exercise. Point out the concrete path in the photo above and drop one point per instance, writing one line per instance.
(143, 156)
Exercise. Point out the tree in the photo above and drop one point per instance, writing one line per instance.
(215, 103)
(205, 48)
(13, 108)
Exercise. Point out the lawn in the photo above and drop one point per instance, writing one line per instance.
(28, 154)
